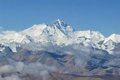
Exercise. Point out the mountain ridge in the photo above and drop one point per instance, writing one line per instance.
(59, 33)
(56, 51)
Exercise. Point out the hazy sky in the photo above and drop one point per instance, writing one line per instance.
(99, 15)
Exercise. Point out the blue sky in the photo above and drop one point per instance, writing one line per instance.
(98, 15)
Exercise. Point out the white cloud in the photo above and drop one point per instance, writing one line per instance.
(35, 69)
(6, 69)
(12, 77)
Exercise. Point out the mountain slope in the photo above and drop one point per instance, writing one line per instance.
(59, 33)
(45, 49)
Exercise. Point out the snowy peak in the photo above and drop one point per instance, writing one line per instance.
(35, 30)
(13, 37)
(114, 37)
(38, 29)
(60, 23)
(59, 33)
(93, 36)
(112, 44)
(45, 33)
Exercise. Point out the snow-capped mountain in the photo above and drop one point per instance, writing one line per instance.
(45, 49)
(112, 43)
(59, 33)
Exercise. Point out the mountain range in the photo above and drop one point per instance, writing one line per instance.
(59, 52)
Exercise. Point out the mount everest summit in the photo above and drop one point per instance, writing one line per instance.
(57, 49)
